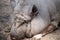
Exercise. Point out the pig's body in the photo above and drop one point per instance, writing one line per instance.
(38, 23)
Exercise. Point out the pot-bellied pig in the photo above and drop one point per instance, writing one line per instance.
(32, 17)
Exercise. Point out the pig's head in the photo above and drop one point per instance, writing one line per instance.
(25, 12)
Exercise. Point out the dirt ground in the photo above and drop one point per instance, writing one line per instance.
(51, 36)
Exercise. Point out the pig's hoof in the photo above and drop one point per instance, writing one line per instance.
(37, 37)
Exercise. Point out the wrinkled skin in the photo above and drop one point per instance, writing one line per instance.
(23, 12)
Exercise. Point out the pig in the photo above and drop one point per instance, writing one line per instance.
(32, 17)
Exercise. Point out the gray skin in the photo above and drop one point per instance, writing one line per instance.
(46, 11)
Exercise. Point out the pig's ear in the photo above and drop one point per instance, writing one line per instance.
(34, 11)
(13, 3)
